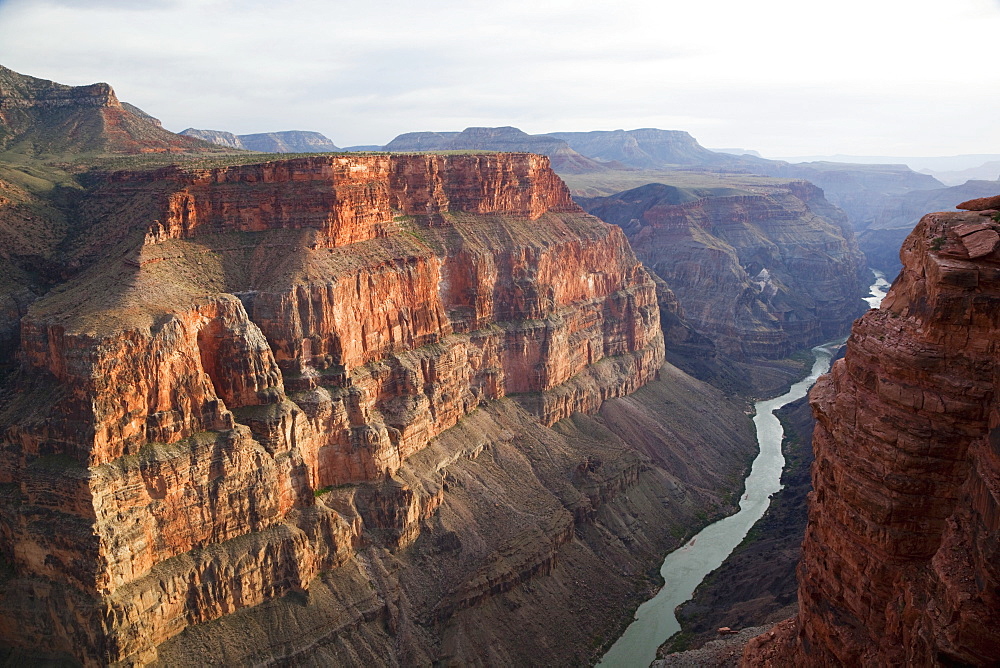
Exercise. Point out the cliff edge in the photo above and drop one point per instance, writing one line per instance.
(900, 559)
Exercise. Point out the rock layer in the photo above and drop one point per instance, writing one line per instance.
(759, 273)
(44, 117)
(899, 562)
(265, 333)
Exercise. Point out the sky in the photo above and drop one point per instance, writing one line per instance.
(784, 77)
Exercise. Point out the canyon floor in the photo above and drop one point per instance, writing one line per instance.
(756, 585)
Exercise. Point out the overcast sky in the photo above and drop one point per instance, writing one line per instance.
(785, 77)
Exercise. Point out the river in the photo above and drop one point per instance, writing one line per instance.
(878, 289)
(685, 568)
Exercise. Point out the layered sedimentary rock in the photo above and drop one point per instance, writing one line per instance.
(760, 273)
(243, 340)
(39, 116)
(899, 563)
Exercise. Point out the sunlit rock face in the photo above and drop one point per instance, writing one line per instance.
(245, 338)
(900, 560)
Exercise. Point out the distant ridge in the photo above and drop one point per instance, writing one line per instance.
(645, 148)
(43, 117)
(583, 152)
(287, 141)
(564, 158)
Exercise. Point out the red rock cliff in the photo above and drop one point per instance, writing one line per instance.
(354, 198)
(900, 560)
(272, 331)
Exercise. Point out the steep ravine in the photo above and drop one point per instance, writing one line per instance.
(756, 584)
(683, 569)
(761, 270)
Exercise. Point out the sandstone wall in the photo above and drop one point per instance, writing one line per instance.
(277, 330)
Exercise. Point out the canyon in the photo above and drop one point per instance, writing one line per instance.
(899, 558)
(344, 407)
(418, 409)
(756, 584)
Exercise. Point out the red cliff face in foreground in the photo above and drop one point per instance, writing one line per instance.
(261, 334)
(901, 560)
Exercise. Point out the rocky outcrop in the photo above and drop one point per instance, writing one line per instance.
(761, 273)
(899, 562)
(896, 217)
(44, 117)
(981, 204)
(243, 341)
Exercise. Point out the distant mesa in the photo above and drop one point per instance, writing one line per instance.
(577, 152)
(288, 141)
(645, 148)
(43, 117)
(363, 148)
(952, 170)
(737, 151)
(988, 171)
(219, 137)
(893, 221)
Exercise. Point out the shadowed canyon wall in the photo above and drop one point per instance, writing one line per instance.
(899, 563)
(261, 370)
(759, 273)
